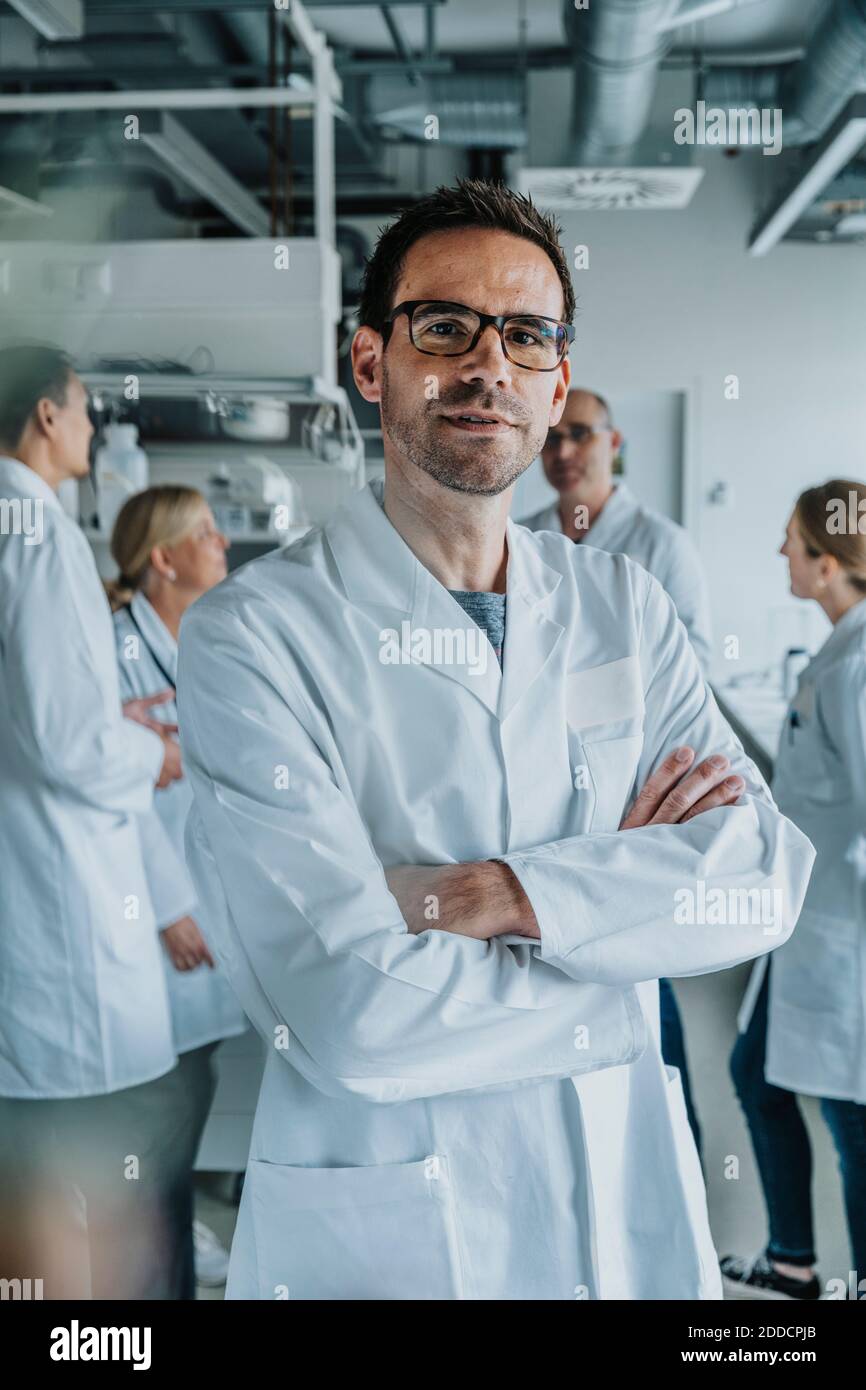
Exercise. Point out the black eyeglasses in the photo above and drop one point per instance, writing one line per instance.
(443, 329)
(578, 434)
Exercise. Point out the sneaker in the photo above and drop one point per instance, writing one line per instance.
(757, 1277)
(211, 1257)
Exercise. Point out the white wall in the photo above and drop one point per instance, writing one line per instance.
(672, 300)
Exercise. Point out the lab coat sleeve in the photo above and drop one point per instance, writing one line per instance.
(168, 882)
(65, 704)
(301, 917)
(684, 581)
(626, 906)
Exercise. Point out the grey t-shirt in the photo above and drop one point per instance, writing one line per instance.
(488, 611)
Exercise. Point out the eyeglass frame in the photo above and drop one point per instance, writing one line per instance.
(554, 434)
(408, 307)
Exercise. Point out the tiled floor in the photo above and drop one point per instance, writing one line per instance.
(709, 1004)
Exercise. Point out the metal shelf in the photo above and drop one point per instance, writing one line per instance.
(312, 390)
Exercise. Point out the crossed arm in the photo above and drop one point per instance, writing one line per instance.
(483, 899)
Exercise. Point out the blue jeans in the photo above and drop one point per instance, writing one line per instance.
(784, 1155)
(674, 1051)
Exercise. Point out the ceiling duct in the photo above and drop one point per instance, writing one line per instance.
(810, 93)
(473, 111)
(618, 46)
(617, 51)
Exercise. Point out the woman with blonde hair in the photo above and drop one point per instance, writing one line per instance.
(168, 552)
(803, 1021)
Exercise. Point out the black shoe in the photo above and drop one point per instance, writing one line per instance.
(757, 1277)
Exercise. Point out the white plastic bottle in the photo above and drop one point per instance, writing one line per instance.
(121, 471)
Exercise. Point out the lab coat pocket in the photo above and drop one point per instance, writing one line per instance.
(612, 764)
(386, 1231)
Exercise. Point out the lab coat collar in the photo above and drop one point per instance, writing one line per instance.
(846, 630)
(613, 514)
(15, 474)
(155, 633)
(378, 569)
(549, 519)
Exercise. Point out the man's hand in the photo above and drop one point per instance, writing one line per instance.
(481, 900)
(185, 945)
(674, 795)
(138, 711)
(172, 767)
(485, 899)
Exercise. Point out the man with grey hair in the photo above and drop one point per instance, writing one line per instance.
(578, 458)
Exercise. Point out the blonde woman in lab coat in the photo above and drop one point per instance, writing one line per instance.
(168, 552)
(803, 1022)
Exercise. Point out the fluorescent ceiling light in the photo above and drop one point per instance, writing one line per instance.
(842, 142)
(55, 19)
(189, 159)
(163, 99)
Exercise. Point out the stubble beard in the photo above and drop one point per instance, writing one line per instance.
(472, 466)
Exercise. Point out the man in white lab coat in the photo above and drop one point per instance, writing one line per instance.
(411, 855)
(86, 1053)
(578, 458)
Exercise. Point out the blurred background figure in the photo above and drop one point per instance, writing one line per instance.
(803, 1020)
(169, 551)
(86, 1050)
(578, 461)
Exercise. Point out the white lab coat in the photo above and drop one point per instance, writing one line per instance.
(816, 1031)
(434, 1120)
(204, 1007)
(655, 542)
(83, 1004)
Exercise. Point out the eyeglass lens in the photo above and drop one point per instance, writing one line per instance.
(447, 331)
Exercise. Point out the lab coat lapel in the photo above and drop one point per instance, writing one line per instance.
(604, 532)
(530, 635)
(846, 630)
(380, 572)
(155, 633)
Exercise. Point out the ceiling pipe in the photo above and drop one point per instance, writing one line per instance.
(810, 93)
(617, 51)
(619, 46)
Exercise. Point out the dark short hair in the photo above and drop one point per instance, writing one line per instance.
(27, 375)
(471, 203)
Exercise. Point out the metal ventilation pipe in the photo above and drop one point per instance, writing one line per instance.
(834, 65)
(618, 48)
(810, 93)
